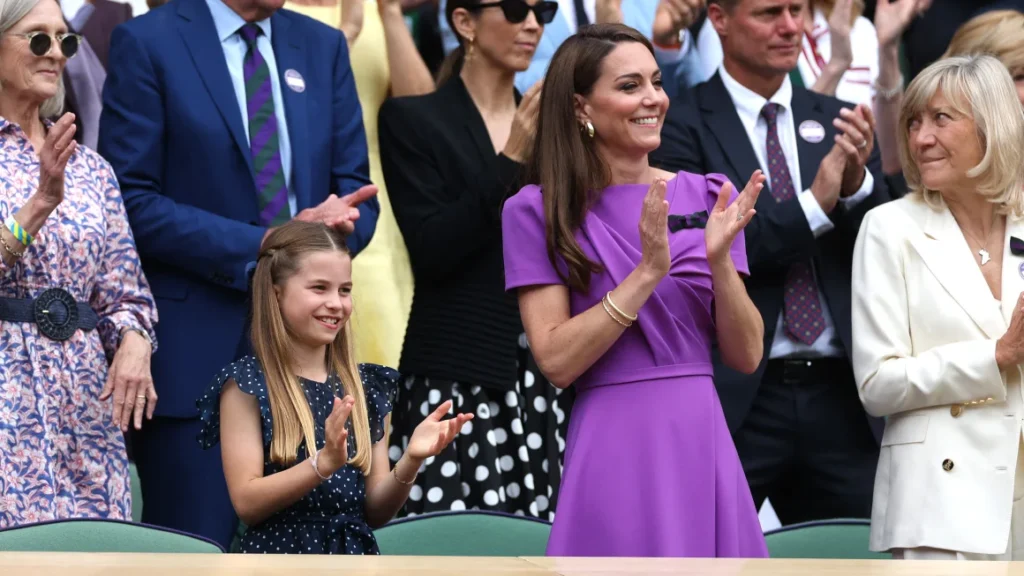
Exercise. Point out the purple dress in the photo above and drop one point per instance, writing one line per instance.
(650, 466)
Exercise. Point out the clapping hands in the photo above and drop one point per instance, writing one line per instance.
(727, 219)
(433, 434)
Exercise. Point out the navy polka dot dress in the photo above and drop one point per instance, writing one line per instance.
(332, 518)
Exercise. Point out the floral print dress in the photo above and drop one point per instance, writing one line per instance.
(61, 454)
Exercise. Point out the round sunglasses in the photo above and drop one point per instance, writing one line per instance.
(517, 10)
(41, 42)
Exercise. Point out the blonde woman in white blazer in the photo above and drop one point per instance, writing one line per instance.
(938, 321)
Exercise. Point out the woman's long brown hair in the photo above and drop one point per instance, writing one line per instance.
(563, 161)
(280, 258)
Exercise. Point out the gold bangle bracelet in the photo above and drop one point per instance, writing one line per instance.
(604, 303)
(632, 318)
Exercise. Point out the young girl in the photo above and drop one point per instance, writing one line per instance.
(304, 431)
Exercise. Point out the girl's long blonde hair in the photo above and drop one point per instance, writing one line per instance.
(280, 257)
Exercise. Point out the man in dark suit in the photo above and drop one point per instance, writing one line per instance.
(185, 83)
(96, 20)
(800, 429)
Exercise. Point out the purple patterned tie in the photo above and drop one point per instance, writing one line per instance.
(263, 134)
(802, 318)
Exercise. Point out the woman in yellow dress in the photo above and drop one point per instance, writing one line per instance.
(385, 63)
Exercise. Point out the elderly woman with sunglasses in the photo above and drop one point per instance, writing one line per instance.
(76, 314)
(449, 159)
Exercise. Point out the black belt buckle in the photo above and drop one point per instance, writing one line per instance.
(56, 314)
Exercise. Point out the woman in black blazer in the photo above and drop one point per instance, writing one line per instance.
(450, 159)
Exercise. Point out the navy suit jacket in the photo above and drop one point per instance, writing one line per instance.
(172, 129)
(703, 134)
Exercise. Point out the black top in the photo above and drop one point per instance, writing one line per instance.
(331, 519)
(447, 187)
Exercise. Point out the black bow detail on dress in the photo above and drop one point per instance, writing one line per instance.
(677, 222)
(1016, 245)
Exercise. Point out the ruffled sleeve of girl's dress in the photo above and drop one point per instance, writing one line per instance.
(739, 245)
(248, 376)
(380, 384)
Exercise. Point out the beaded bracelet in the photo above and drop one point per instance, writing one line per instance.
(18, 232)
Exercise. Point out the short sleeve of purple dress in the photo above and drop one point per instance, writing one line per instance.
(650, 466)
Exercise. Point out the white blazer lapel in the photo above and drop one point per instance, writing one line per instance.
(948, 257)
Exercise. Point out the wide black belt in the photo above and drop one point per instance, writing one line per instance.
(55, 312)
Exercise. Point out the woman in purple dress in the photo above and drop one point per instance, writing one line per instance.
(629, 314)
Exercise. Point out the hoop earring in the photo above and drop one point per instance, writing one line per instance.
(589, 129)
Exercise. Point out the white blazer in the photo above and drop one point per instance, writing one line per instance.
(925, 327)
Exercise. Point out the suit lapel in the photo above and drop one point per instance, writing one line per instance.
(472, 121)
(948, 257)
(724, 123)
(808, 109)
(200, 35)
(289, 55)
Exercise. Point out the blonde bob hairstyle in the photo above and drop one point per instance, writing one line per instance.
(11, 12)
(999, 33)
(980, 88)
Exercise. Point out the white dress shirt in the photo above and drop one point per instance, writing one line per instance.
(228, 22)
(748, 106)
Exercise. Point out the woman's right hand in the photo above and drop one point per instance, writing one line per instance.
(53, 159)
(524, 125)
(352, 16)
(654, 231)
(1010, 347)
(840, 24)
(334, 454)
(893, 17)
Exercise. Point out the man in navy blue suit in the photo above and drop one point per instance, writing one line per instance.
(222, 119)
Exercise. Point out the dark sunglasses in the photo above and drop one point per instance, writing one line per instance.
(517, 10)
(40, 42)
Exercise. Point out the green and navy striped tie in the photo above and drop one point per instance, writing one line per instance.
(263, 134)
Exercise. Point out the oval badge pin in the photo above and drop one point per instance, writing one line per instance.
(294, 80)
(812, 131)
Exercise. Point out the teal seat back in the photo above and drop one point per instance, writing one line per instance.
(136, 493)
(101, 536)
(834, 539)
(464, 534)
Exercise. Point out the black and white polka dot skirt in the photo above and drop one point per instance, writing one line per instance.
(507, 459)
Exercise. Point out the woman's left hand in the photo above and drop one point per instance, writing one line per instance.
(131, 382)
(726, 220)
(434, 434)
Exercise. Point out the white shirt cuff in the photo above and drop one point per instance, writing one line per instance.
(816, 217)
(671, 56)
(851, 201)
